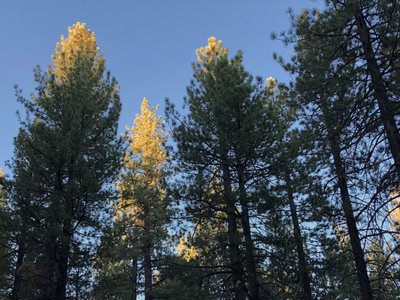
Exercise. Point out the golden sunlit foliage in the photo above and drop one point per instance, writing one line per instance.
(142, 208)
(184, 250)
(270, 191)
(146, 139)
(144, 159)
(394, 212)
(271, 84)
(70, 134)
(141, 212)
(212, 51)
(81, 42)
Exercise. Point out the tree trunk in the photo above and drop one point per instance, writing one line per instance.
(385, 106)
(358, 252)
(239, 288)
(133, 277)
(254, 285)
(62, 270)
(148, 284)
(305, 278)
(18, 276)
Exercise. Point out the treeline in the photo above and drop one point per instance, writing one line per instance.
(268, 191)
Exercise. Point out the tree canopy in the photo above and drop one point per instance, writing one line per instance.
(254, 189)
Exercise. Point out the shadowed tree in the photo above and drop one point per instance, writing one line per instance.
(225, 137)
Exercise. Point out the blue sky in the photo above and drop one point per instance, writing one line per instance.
(148, 45)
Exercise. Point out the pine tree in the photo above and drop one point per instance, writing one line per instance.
(117, 262)
(227, 134)
(5, 238)
(204, 248)
(66, 156)
(292, 175)
(330, 88)
(379, 54)
(352, 47)
(143, 204)
(384, 268)
(286, 195)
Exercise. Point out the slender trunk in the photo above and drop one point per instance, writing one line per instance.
(303, 272)
(63, 247)
(239, 288)
(385, 106)
(148, 284)
(62, 270)
(358, 252)
(133, 277)
(18, 276)
(254, 285)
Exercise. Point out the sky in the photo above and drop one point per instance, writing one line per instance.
(148, 45)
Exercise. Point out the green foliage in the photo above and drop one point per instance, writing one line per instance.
(189, 280)
(5, 237)
(116, 265)
(141, 214)
(281, 192)
(224, 145)
(338, 58)
(66, 157)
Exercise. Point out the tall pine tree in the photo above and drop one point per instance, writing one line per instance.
(142, 210)
(226, 137)
(67, 155)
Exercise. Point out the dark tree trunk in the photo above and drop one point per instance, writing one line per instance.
(303, 272)
(254, 285)
(384, 104)
(133, 277)
(62, 271)
(239, 288)
(148, 284)
(358, 252)
(63, 249)
(18, 276)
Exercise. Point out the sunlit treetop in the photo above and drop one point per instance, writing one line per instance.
(212, 51)
(271, 84)
(146, 138)
(79, 48)
(143, 162)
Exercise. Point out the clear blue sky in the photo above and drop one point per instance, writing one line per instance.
(148, 45)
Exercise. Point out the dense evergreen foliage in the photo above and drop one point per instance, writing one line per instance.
(268, 191)
(66, 157)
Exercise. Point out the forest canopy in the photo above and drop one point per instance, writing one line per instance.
(254, 189)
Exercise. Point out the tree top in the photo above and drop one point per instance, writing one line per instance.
(212, 51)
(80, 44)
